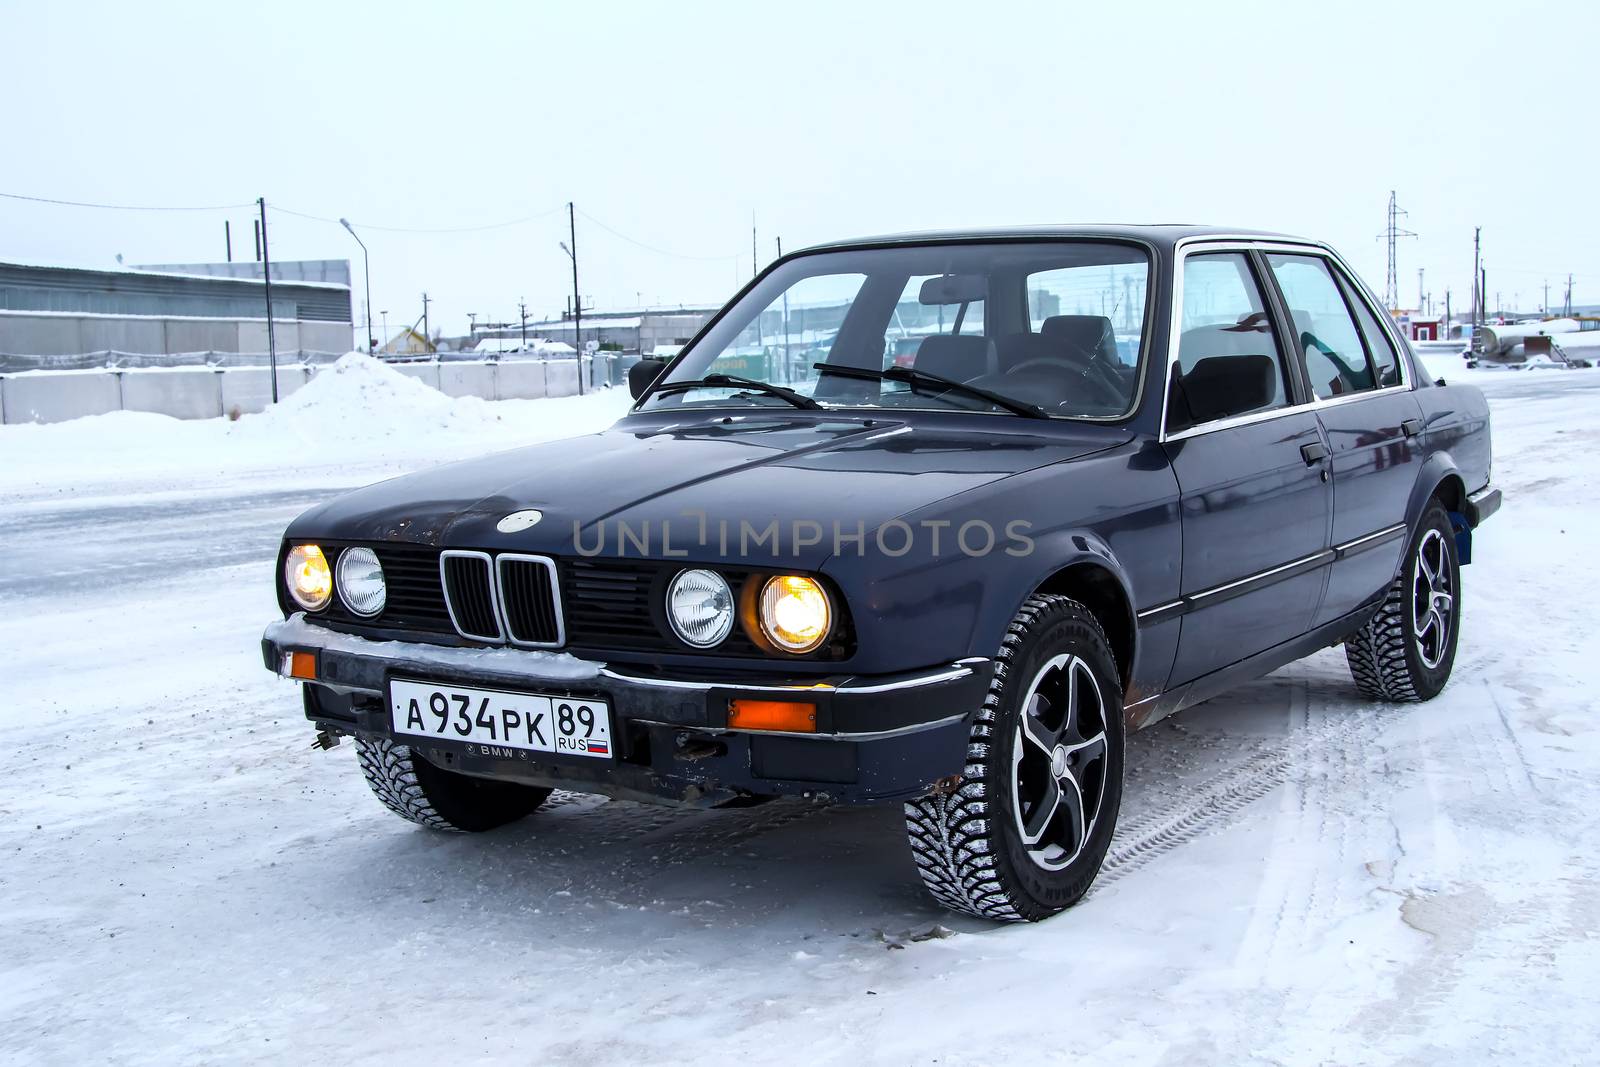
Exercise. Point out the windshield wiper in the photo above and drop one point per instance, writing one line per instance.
(928, 380)
(726, 381)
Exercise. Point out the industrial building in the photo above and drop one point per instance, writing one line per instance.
(630, 332)
(62, 317)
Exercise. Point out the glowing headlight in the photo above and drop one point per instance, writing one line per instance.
(795, 613)
(700, 607)
(361, 584)
(306, 573)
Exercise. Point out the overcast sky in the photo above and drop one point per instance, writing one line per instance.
(671, 123)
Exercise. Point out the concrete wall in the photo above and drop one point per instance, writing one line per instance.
(183, 394)
(520, 381)
(249, 389)
(467, 379)
(56, 397)
(208, 392)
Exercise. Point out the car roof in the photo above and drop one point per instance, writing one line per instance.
(1162, 235)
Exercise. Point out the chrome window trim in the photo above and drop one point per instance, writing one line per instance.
(494, 593)
(555, 598)
(1205, 244)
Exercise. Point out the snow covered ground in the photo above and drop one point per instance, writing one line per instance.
(1301, 877)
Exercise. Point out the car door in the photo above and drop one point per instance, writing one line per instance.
(1249, 457)
(1370, 416)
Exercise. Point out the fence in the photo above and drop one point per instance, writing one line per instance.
(208, 392)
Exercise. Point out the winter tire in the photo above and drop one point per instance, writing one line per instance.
(1406, 651)
(430, 796)
(1023, 833)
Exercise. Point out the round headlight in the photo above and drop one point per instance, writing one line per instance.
(361, 584)
(795, 613)
(700, 607)
(306, 573)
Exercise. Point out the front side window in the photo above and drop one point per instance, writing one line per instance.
(1335, 359)
(1228, 356)
(1032, 328)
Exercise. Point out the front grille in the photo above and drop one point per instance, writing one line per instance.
(530, 601)
(539, 602)
(469, 594)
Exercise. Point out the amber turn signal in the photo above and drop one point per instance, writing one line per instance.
(301, 665)
(781, 715)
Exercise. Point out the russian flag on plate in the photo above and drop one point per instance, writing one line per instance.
(596, 747)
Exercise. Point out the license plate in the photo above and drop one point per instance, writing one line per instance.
(490, 719)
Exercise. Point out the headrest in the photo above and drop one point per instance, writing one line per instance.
(954, 357)
(1091, 334)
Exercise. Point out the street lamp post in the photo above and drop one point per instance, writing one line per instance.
(366, 270)
(385, 315)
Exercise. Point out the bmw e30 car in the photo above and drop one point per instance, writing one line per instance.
(933, 520)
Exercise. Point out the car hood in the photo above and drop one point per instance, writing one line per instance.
(665, 488)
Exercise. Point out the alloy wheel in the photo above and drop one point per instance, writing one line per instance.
(1432, 599)
(1058, 763)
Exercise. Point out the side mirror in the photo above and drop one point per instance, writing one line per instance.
(643, 373)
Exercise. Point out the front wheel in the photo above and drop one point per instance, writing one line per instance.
(1406, 651)
(431, 796)
(1022, 834)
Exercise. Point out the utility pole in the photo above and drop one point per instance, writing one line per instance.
(1446, 330)
(1392, 232)
(426, 337)
(1546, 307)
(577, 301)
(266, 276)
(472, 324)
(1477, 273)
(1566, 308)
(1421, 299)
(227, 238)
(522, 309)
(257, 224)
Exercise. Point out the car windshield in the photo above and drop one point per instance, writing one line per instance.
(1047, 327)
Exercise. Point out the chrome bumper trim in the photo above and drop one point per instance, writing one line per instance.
(540, 667)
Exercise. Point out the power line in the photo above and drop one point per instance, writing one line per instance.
(123, 207)
(425, 229)
(653, 248)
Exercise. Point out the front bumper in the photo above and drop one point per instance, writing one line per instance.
(878, 737)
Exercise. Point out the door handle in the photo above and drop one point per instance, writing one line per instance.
(1314, 453)
(1412, 427)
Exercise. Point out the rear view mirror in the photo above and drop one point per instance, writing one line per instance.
(954, 289)
(643, 373)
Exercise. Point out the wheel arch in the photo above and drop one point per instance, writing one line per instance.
(1440, 480)
(1099, 585)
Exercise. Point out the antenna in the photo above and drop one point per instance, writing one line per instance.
(1392, 233)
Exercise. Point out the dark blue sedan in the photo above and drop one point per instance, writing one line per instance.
(932, 519)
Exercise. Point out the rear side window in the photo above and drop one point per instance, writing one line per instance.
(1336, 360)
(1385, 363)
(1228, 354)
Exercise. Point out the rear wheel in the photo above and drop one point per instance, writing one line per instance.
(1407, 650)
(430, 796)
(1023, 833)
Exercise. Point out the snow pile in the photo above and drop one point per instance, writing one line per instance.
(354, 422)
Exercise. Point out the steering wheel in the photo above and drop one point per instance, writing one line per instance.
(1091, 374)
